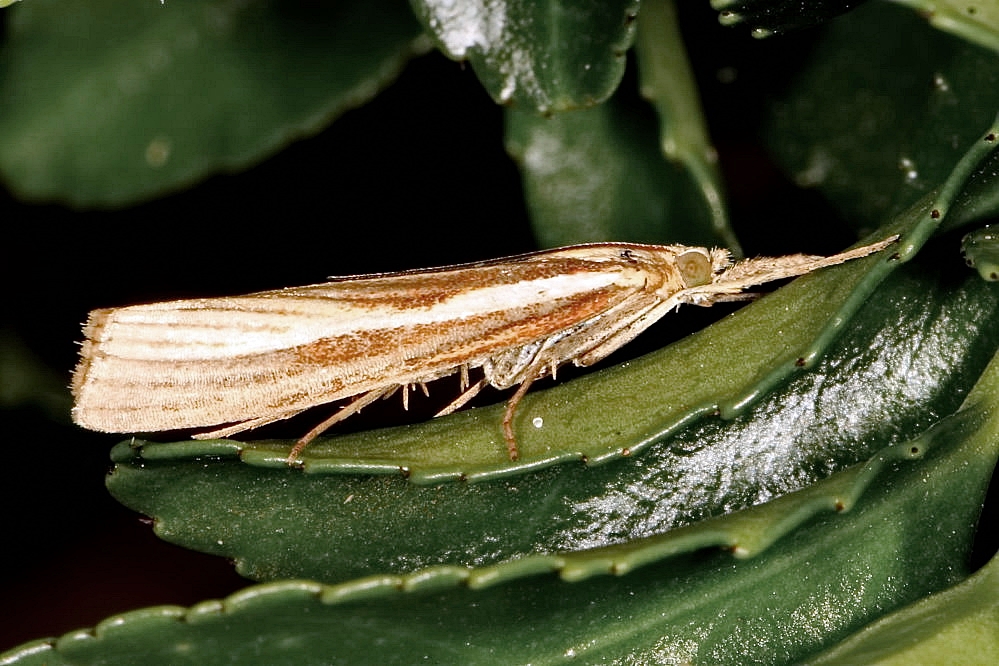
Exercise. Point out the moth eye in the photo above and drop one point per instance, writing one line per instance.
(695, 268)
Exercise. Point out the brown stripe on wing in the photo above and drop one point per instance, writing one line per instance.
(425, 289)
(129, 395)
(419, 352)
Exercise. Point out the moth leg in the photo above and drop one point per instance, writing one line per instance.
(460, 401)
(357, 405)
(406, 388)
(586, 352)
(511, 408)
(727, 298)
(244, 425)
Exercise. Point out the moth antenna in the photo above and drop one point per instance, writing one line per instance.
(752, 272)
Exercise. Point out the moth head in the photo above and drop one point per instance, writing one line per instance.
(698, 266)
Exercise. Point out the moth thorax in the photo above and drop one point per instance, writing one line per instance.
(695, 267)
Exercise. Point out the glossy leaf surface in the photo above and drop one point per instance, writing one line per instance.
(957, 626)
(109, 102)
(913, 351)
(981, 252)
(879, 117)
(544, 56)
(596, 174)
(681, 604)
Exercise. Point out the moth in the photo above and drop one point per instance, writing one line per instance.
(235, 363)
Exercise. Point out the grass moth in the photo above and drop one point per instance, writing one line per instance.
(235, 363)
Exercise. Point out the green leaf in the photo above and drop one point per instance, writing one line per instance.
(912, 352)
(828, 577)
(875, 118)
(27, 381)
(668, 82)
(546, 56)
(975, 21)
(958, 627)
(596, 175)
(767, 18)
(981, 252)
(106, 102)
(463, 572)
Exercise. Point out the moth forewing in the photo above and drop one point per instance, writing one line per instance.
(267, 356)
(241, 362)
